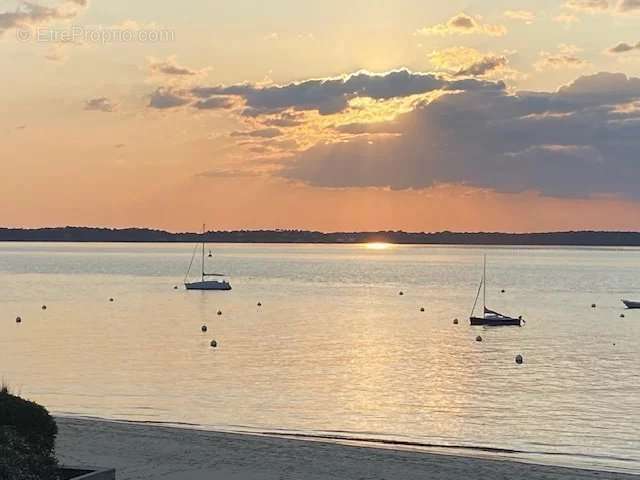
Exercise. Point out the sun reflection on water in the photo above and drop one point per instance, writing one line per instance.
(378, 246)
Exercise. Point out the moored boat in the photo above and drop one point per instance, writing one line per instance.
(204, 284)
(631, 304)
(490, 318)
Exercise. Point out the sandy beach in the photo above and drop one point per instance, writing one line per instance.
(152, 452)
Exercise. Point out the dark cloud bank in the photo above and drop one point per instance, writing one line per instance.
(576, 142)
(580, 141)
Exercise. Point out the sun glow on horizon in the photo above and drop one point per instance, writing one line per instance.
(378, 246)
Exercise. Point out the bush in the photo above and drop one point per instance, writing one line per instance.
(27, 440)
(29, 420)
(20, 460)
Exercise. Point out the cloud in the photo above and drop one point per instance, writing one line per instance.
(100, 104)
(28, 14)
(483, 66)
(568, 143)
(629, 6)
(566, 58)
(525, 16)
(622, 7)
(624, 47)
(165, 98)
(259, 133)
(464, 61)
(463, 24)
(591, 6)
(332, 95)
(214, 103)
(171, 67)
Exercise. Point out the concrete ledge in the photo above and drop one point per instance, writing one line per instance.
(86, 473)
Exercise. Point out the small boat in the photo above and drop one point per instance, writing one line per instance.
(631, 304)
(490, 318)
(204, 283)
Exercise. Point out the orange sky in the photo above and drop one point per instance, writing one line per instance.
(290, 135)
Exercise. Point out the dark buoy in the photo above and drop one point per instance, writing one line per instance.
(422, 309)
(519, 359)
(401, 293)
(219, 312)
(622, 315)
(478, 338)
(111, 300)
(214, 344)
(18, 320)
(175, 288)
(503, 291)
(204, 329)
(593, 305)
(44, 307)
(259, 304)
(456, 321)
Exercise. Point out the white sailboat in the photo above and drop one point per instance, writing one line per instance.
(204, 283)
(489, 317)
(631, 304)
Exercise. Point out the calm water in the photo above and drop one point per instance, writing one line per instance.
(335, 350)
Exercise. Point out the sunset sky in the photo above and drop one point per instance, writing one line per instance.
(331, 115)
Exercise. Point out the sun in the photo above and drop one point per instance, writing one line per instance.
(378, 246)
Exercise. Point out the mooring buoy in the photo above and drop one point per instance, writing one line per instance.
(503, 291)
(204, 329)
(622, 315)
(219, 312)
(478, 338)
(422, 309)
(519, 359)
(593, 305)
(214, 344)
(259, 304)
(456, 321)
(44, 307)
(18, 320)
(175, 288)
(401, 293)
(111, 300)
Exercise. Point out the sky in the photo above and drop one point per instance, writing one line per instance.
(486, 115)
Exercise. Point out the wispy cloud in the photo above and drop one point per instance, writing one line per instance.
(525, 16)
(588, 5)
(565, 58)
(464, 24)
(624, 47)
(100, 104)
(166, 98)
(29, 14)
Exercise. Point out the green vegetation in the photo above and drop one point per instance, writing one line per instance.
(27, 440)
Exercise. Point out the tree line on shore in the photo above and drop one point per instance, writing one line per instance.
(90, 234)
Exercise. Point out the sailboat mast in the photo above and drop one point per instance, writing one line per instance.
(203, 239)
(484, 282)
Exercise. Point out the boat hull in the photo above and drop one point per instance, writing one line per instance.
(496, 322)
(208, 286)
(630, 304)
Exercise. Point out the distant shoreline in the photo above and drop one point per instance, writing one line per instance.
(143, 235)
